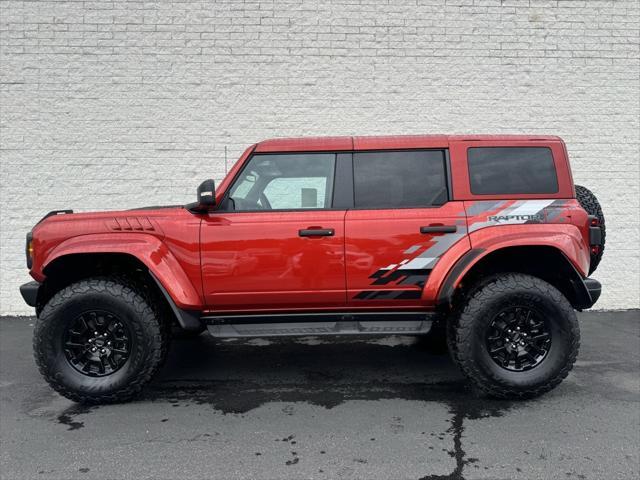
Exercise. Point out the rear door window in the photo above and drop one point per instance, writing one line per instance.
(399, 179)
(511, 170)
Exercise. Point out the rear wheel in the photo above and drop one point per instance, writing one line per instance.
(98, 341)
(515, 336)
(590, 203)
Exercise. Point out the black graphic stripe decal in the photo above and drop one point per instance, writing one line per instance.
(401, 277)
(414, 269)
(389, 295)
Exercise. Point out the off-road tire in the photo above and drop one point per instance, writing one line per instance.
(590, 203)
(470, 320)
(149, 340)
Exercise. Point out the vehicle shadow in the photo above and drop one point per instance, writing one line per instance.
(237, 376)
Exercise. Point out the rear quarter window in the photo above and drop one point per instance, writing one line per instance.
(511, 170)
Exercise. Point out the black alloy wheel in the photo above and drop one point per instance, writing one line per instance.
(518, 339)
(97, 343)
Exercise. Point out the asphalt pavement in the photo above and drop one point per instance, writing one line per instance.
(355, 408)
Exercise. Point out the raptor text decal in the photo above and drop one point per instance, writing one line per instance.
(508, 212)
(524, 218)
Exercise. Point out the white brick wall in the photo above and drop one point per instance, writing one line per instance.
(115, 104)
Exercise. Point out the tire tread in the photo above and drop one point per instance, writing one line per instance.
(156, 342)
(460, 335)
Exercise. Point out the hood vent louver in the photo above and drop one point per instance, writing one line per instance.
(130, 224)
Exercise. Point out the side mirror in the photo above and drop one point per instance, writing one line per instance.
(206, 198)
(207, 194)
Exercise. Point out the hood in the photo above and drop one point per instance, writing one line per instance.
(61, 225)
(66, 223)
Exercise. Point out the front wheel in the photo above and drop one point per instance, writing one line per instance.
(515, 336)
(98, 341)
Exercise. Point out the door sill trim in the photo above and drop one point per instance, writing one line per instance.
(388, 323)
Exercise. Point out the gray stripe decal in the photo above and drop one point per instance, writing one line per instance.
(553, 211)
(413, 249)
(521, 207)
(484, 206)
(430, 256)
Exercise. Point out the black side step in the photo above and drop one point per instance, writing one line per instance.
(318, 324)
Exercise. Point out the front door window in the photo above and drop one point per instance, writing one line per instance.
(285, 182)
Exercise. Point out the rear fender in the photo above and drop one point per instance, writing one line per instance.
(149, 250)
(565, 237)
(453, 266)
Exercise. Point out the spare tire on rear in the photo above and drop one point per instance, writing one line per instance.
(590, 203)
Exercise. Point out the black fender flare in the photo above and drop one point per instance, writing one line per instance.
(582, 292)
(187, 319)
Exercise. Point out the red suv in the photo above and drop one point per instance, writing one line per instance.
(483, 240)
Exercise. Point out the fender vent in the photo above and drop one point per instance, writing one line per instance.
(131, 224)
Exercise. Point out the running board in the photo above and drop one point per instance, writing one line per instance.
(317, 324)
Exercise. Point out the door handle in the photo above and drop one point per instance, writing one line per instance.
(439, 229)
(316, 232)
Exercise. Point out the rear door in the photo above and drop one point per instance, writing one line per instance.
(402, 222)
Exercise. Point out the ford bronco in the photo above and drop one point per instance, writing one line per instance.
(480, 240)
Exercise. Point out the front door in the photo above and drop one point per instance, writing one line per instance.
(276, 243)
(403, 221)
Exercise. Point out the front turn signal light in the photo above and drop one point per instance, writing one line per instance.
(29, 250)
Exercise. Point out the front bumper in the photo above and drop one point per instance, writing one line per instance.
(29, 292)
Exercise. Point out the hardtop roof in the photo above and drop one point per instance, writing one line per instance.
(381, 142)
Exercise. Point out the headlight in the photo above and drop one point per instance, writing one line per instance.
(29, 250)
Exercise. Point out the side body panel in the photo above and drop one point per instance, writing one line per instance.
(258, 260)
(389, 260)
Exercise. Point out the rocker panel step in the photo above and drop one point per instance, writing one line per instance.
(228, 327)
